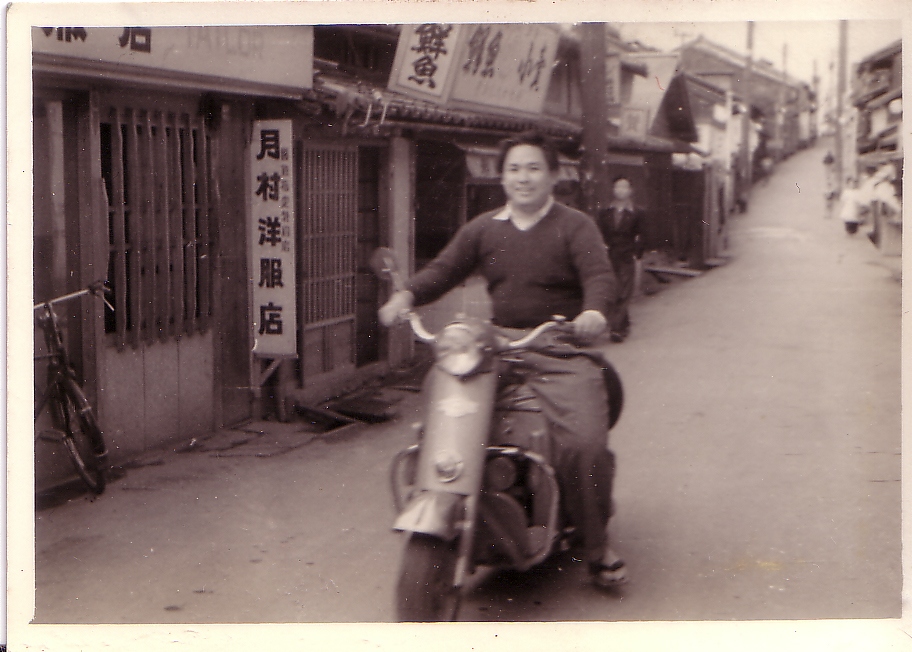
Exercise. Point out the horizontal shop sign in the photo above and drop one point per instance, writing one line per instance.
(500, 66)
(268, 55)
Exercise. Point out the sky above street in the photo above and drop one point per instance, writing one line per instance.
(803, 42)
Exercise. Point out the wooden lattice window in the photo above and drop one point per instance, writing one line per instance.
(328, 256)
(154, 165)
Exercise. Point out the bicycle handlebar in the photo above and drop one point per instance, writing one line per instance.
(98, 288)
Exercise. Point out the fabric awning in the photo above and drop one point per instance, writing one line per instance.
(481, 162)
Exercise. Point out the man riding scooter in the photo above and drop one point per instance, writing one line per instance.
(539, 259)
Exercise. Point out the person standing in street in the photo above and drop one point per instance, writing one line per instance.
(832, 191)
(541, 258)
(623, 226)
(851, 206)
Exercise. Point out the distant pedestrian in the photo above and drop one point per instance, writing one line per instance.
(832, 192)
(766, 165)
(623, 226)
(851, 206)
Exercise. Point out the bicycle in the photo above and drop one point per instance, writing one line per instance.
(71, 413)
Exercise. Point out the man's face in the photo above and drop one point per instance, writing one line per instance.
(622, 189)
(526, 178)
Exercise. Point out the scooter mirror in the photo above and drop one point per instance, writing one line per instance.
(384, 265)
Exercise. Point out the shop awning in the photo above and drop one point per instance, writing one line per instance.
(481, 162)
(675, 119)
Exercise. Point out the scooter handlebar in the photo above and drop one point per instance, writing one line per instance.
(418, 328)
(557, 321)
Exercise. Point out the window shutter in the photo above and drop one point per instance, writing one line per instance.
(155, 168)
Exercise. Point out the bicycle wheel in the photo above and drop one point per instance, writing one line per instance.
(81, 435)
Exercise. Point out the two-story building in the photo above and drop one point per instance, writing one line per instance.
(779, 103)
(877, 150)
(142, 148)
(230, 183)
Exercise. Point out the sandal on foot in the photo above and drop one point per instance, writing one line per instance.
(610, 575)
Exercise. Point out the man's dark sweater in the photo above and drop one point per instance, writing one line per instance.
(558, 267)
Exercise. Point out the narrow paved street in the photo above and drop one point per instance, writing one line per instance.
(759, 449)
(760, 454)
(759, 470)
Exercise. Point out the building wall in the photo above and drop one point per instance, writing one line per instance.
(147, 189)
(764, 89)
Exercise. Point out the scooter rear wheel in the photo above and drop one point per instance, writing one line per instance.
(426, 591)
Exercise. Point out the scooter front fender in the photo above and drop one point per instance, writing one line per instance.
(437, 513)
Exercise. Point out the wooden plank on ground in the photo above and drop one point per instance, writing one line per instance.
(678, 271)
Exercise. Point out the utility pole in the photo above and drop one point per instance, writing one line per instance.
(746, 83)
(815, 85)
(840, 100)
(595, 117)
(783, 104)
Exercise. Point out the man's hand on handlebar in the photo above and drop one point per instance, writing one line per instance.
(589, 324)
(396, 309)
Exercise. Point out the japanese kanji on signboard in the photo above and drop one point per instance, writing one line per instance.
(507, 66)
(242, 52)
(272, 240)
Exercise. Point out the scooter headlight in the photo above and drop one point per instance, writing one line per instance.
(460, 351)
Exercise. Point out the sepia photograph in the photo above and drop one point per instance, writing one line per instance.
(571, 325)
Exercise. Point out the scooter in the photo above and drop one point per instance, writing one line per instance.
(478, 489)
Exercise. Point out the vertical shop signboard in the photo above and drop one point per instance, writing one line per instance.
(613, 79)
(272, 240)
(425, 57)
(634, 120)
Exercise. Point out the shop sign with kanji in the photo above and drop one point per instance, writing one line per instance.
(237, 52)
(425, 57)
(502, 66)
(272, 239)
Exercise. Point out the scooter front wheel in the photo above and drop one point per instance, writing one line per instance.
(426, 590)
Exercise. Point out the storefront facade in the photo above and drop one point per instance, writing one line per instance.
(139, 139)
(233, 204)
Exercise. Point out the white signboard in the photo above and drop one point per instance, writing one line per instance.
(424, 57)
(272, 239)
(634, 121)
(507, 66)
(277, 55)
(613, 79)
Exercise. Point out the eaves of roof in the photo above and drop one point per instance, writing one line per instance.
(877, 97)
(384, 105)
(650, 143)
(736, 59)
(704, 87)
(887, 52)
(636, 67)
